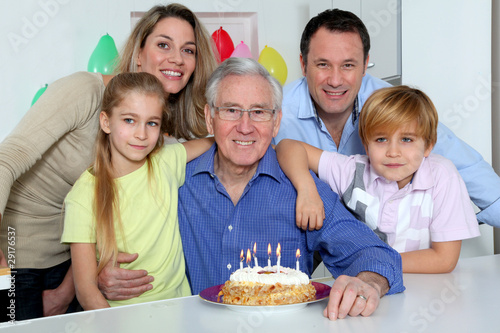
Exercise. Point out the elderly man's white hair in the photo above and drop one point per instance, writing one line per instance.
(241, 66)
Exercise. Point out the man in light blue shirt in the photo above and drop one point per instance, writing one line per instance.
(322, 108)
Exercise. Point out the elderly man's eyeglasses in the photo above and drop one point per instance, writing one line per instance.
(235, 113)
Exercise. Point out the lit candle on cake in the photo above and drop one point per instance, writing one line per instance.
(298, 256)
(255, 254)
(269, 255)
(278, 254)
(241, 259)
(249, 258)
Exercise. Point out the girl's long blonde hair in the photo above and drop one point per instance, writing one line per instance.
(106, 201)
(185, 118)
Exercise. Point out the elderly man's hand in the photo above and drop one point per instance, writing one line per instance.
(118, 284)
(355, 296)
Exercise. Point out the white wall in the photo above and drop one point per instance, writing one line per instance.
(43, 40)
(446, 51)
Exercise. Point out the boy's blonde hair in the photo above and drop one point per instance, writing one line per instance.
(396, 107)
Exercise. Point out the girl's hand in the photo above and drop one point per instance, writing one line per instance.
(53, 303)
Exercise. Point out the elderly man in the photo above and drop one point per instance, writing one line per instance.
(322, 108)
(236, 195)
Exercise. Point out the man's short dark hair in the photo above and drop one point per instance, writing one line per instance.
(334, 20)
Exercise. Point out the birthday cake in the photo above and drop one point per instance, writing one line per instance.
(264, 286)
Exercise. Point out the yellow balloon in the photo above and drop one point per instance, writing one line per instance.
(274, 63)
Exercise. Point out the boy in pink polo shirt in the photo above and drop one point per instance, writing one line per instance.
(414, 200)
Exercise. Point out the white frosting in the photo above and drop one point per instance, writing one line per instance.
(287, 276)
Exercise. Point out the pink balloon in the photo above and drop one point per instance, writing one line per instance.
(242, 51)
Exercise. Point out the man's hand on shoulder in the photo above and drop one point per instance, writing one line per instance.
(118, 284)
(355, 296)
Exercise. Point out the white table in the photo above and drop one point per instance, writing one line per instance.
(465, 300)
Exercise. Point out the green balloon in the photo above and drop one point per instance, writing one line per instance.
(39, 93)
(104, 57)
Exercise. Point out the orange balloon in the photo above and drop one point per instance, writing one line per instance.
(224, 43)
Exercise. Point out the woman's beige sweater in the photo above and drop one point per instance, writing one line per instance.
(39, 163)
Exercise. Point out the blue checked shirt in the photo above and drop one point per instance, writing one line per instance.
(214, 231)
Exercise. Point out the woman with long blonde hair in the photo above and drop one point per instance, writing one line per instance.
(185, 117)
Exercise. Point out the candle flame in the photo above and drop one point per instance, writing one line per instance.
(298, 254)
(269, 249)
(241, 255)
(278, 250)
(249, 256)
(255, 248)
